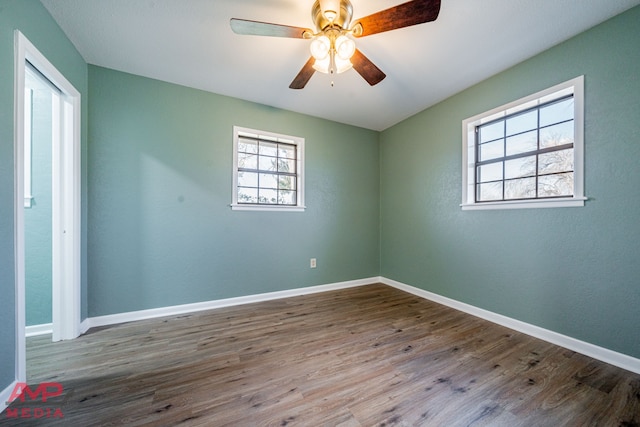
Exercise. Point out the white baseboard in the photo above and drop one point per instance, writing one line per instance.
(85, 325)
(608, 356)
(600, 353)
(605, 355)
(113, 319)
(35, 330)
(5, 395)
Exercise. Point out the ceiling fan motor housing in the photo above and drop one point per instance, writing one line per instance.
(342, 18)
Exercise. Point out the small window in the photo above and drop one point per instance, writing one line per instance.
(268, 171)
(528, 153)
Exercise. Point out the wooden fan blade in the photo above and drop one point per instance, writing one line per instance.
(300, 81)
(404, 15)
(257, 28)
(367, 69)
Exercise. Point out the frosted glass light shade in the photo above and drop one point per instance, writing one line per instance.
(322, 65)
(320, 47)
(342, 65)
(345, 47)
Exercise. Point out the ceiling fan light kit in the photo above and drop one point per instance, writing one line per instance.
(332, 54)
(332, 47)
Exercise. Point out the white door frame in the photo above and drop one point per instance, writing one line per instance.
(66, 203)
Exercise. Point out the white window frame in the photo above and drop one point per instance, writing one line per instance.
(574, 86)
(298, 142)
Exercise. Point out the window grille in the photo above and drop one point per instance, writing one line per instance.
(267, 170)
(527, 155)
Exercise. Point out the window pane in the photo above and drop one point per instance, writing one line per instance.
(247, 161)
(522, 122)
(247, 179)
(523, 188)
(287, 151)
(247, 146)
(559, 134)
(287, 197)
(268, 168)
(267, 163)
(525, 150)
(491, 150)
(490, 191)
(247, 195)
(491, 132)
(556, 161)
(490, 172)
(522, 143)
(268, 180)
(557, 112)
(560, 184)
(285, 165)
(286, 183)
(268, 148)
(520, 167)
(268, 196)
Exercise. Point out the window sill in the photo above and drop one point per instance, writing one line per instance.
(274, 208)
(526, 204)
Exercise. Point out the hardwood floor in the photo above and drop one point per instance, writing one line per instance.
(364, 356)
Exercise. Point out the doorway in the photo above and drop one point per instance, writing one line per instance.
(41, 110)
(59, 110)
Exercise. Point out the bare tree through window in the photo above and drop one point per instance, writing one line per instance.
(527, 155)
(267, 170)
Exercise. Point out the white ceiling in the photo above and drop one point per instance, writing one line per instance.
(189, 42)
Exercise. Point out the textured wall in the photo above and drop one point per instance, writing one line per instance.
(571, 270)
(161, 231)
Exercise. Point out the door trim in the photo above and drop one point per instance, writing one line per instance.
(66, 238)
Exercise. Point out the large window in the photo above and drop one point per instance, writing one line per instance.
(527, 153)
(268, 170)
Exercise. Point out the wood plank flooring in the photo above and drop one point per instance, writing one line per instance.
(365, 356)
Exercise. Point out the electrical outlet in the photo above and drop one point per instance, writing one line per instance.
(312, 263)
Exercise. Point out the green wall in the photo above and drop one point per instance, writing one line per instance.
(33, 20)
(161, 231)
(571, 270)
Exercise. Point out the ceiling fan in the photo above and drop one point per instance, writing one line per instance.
(333, 48)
